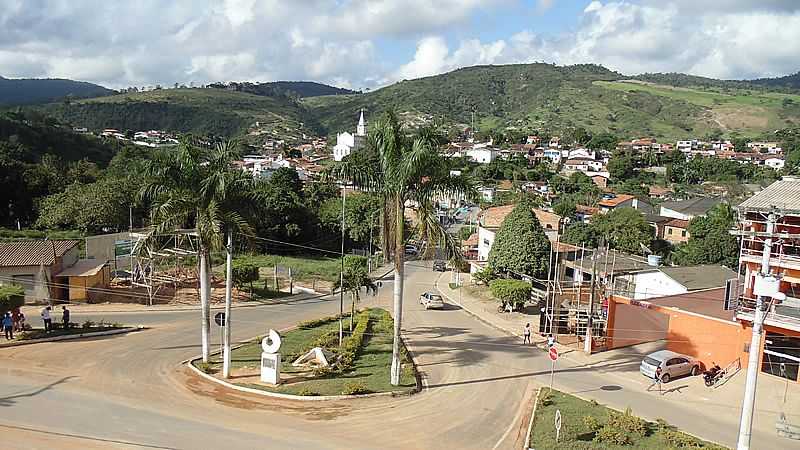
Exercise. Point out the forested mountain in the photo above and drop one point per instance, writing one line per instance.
(526, 97)
(31, 90)
(789, 81)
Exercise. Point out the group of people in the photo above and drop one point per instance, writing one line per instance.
(526, 336)
(14, 321)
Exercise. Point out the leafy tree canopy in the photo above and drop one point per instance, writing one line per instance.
(624, 229)
(521, 245)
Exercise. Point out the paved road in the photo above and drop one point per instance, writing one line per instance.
(131, 391)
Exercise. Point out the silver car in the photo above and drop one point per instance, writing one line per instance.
(672, 365)
(431, 301)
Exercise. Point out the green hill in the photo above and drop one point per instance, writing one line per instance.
(527, 97)
(31, 91)
(202, 111)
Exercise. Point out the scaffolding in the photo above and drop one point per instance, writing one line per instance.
(152, 255)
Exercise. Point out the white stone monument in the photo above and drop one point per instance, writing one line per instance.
(270, 358)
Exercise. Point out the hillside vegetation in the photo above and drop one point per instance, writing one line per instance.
(526, 97)
(202, 111)
(31, 91)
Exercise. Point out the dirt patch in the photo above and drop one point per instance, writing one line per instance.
(740, 117)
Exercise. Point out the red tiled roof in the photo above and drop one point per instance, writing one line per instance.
(677, 223)
(33, 253)
(586, 210)
(472, 240)
(616, 201)
(494, 217)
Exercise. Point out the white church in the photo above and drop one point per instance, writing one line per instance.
(347, 143)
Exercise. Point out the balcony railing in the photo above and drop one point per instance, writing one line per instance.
(781, 313)
(777, 259)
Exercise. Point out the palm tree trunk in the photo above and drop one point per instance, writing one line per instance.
(205, 307)
(398, 291)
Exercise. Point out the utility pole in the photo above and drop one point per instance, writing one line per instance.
(341, 276)
(371, 227)
(587, 343)
(748, 403)
(226, 351)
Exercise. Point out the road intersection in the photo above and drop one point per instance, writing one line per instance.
(132, 392)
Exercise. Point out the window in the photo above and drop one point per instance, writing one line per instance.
(486, 242)
(673, 361)
(683, 233)
(669, 231)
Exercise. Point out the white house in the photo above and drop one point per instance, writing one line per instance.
(482, 154)
(663, 281)
(775, 163)
(346, 143)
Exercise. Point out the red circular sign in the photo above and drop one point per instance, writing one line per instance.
(553, 353)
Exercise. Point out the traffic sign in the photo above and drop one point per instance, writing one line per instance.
(553, 354)
(219, 318)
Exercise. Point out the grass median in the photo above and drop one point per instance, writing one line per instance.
(364, 359)
(589, 425)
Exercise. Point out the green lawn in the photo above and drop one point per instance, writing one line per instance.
(303, 268)
(585, 425)
(370, 368)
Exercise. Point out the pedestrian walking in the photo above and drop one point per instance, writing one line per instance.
(526, 334)
(551, 341)
(15, 319)
(47, 320)
(21, 322)
(65, 317)
(8, 326)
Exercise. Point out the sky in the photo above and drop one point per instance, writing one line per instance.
(366, 44)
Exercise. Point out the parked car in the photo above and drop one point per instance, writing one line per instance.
(672, 365)
(412, 250)
(431, 301)
(439, 266)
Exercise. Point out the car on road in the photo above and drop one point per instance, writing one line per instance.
(412, 250)
(439, 266)
(672, 365)
(431, 301)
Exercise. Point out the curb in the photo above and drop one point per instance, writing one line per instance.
(527, 444)
(73, 336)
(313, 294)
(303, 398)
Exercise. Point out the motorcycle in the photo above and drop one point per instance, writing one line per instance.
(713, 375)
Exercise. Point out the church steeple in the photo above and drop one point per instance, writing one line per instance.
(361, 130)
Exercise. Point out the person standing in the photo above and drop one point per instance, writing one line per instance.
(551, 341)
(526, 334)
(46, 319)
(65, 317)
(8, 326)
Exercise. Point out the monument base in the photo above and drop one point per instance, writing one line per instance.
(271, 368)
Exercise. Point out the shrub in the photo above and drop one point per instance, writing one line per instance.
(680, 440)
(545, 397)
(205, 367)
(319, 322)
(591, 423)
(516, 292)
(628, 423)
(327, 340)
(613, 436)
(11, 297)
(352, 344)
(484, 276)
(88, 324)
(355, 388)
(306, 392)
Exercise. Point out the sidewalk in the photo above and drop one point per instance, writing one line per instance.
(686, 402)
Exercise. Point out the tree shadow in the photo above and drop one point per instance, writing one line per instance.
(10, 400)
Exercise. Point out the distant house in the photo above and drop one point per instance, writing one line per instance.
(624, 201)
(676, 231)
(600, 181)
(662, 281)
(482, 155)
(689, 209)
(659, 192)
(584, 213)
(775, 163)
(657, 222)
(50, 270)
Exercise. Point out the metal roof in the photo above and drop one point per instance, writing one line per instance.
(783, 194)
(698, 206)
(33, 253)
(694, 278)
(83, 268)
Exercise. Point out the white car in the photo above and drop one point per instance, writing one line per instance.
(431, 301)
(672, 365)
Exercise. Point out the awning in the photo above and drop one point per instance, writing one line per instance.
(83, 268)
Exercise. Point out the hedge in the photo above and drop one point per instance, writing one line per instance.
(516, 292)
(11, 297)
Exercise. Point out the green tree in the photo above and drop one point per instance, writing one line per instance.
(196, 186)
(91, 208)
(580, 233)
(624, 229)
(521, 246)
(11, 297)
(401, 167)
(356, 276)
(361, 214)
(710, 241)
(508, 291)
(620, 166)
(244, 273)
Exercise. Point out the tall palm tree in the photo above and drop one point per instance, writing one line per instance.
(407, 172)
(196, 186)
